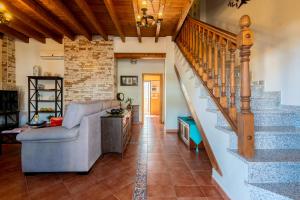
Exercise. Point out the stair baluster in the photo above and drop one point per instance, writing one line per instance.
(216, 90)
(190, 41)
(210, 80)
(223, 98)
(194, 44)
(200, 52)
(232, 109)
(204, 56)
(197, 47)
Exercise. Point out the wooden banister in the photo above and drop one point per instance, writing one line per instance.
(205, 47)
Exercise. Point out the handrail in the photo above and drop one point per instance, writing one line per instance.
(219, 31)
(205, 47)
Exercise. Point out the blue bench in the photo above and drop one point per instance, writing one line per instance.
(193, 132)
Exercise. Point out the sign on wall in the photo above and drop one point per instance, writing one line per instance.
(237, 3)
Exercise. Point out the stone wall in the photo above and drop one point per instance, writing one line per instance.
(89, 69)
(8, 63)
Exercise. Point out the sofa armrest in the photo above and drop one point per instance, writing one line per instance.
(51, 134)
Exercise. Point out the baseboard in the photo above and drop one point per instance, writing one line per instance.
(171, 130)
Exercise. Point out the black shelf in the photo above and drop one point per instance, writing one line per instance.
(9, 112)
(45, 78)
(47, 101)
(33, 96)
(45, 111)
(45, 90)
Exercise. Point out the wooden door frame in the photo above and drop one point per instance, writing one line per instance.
(161, 94)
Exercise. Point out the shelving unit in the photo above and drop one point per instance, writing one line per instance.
(9, 110)
(34, 92)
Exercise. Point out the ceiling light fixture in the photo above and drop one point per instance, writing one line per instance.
(5, 16)
(146, 20)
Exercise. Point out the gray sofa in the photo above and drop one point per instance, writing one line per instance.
(73, 147)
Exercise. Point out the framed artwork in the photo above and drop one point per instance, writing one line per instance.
(129, 80)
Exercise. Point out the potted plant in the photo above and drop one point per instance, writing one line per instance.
(129, 100)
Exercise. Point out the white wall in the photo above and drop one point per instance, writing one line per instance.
(275, 55)
(125, 67)
(175, 104)
(28, 55)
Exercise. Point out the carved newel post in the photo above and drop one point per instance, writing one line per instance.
(245, 117)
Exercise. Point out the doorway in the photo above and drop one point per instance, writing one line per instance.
(152, 96)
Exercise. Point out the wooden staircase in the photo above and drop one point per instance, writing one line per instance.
(263, 150)
(206, 47)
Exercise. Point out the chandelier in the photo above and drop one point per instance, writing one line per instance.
(146, 20)
(5, 16)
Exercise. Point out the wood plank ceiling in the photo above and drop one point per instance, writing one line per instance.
(40, 19)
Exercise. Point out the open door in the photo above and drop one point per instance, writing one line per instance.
(153, 95)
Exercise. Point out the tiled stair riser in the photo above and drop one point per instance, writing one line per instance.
(272, 172)
(272, 140)
(256, 103)
(261, 194)
(267, 118)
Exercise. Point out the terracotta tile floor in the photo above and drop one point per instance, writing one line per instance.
(173, 172)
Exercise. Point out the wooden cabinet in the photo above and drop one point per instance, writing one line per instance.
(188, 132)
(184, 131)
(135, 114)
(116, 132)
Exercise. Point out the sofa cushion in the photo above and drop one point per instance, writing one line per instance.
(76, 111)
(54, 134)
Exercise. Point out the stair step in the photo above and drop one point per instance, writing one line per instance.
(257, 103)
(275, 191)
(277, 140)
(272, 138)
(275, 117)
(268, 117)
(269, 166)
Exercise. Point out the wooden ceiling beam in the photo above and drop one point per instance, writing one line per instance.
(32, 23)
(42, 13)
(136, 13)
(88, 12)
(9, 31)
(111, 10)
(26, 30)
(140, 55)
(59, 5)
(184, 13)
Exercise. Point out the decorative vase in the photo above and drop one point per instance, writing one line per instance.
(37, 70)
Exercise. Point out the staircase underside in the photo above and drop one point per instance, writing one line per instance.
(274, 172)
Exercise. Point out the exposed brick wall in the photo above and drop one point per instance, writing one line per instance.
(8, 63)
(89, 69)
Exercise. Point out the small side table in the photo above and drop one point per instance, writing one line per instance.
(9, 136)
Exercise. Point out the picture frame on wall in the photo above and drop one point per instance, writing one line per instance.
(129, 80)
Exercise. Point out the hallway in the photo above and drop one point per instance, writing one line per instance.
(174, 172)
(165, 170)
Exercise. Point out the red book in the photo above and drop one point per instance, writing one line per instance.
(56, 121)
